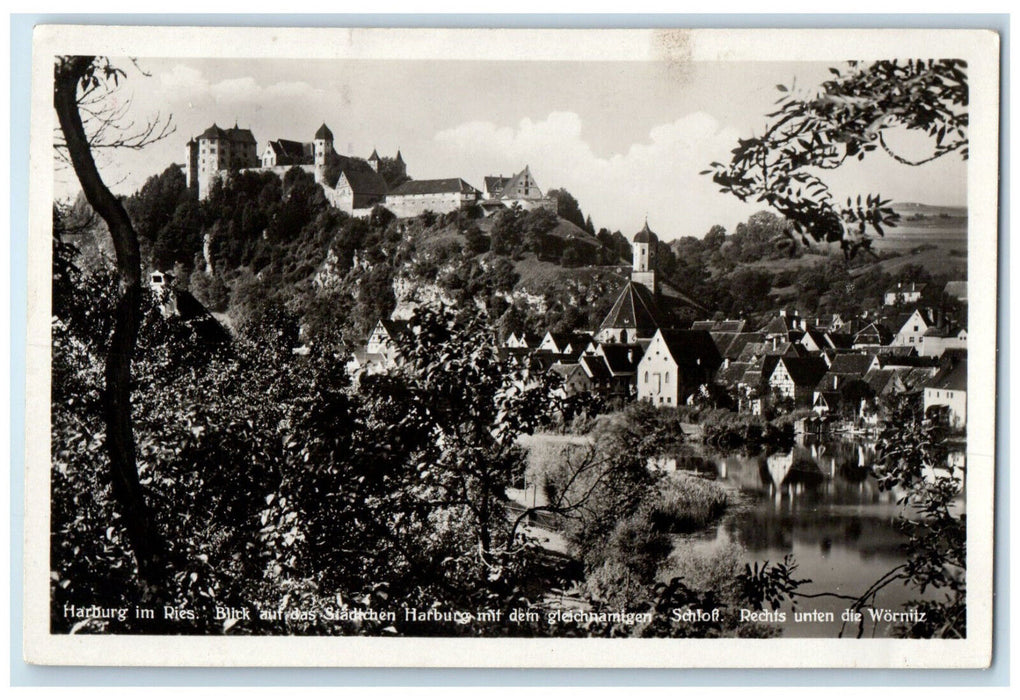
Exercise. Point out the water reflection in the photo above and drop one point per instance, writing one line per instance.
(821, 503)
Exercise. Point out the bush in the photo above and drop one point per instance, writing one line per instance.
(686, 504)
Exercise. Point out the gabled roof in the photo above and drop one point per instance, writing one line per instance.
(778, 325)
(692, 349)
(840, 340)
(622, 358)
(442, 186)
(323, 133)
(635, 308)
(879, 379)
(395, 329)
(362, 179)
(733, 373)
(375, 155)
(595, 366)
(847, 363)
(805, 371)
(953, 378)
(957, 289)
(874, 331)
(494, 184)
(288, 149)
(819, 338)
(521, 181)
(902, 288)
(740, 341)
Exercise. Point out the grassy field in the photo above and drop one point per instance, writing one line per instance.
(935, 237)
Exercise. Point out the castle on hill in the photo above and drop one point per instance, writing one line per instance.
(360, 185)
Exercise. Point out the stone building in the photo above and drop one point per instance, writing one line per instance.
(675, 364)
(216, 150)
(440, 196)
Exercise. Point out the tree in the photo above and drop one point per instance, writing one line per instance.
(78, 82)
(912, 462)
(567, 207)
(848, 116)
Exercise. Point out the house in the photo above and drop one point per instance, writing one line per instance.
(359, 187)
(415, 197)
(382, 350)
(796, 378)
(947, 391)
(675, 365)
(912, 328)
(520, 189)
(523, 340)
(565, 343)
(283, 152)
(872, 335)
(575, 379)
(956, 290)
(936, 341)
(904, 293)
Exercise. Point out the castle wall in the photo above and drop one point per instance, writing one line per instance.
(409, 205)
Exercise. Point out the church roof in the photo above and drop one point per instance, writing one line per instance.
(375, 155)
(324, 133)
(645, 235)
(399, 158)
(635, 308)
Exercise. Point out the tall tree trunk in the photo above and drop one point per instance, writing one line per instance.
(149, 547)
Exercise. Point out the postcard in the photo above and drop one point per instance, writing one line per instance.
(511, 347)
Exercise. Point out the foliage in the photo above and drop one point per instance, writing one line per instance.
(847, 117)
(685, 504)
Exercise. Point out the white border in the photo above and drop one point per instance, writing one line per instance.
(978, 47)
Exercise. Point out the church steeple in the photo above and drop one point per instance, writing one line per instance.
(643, 271)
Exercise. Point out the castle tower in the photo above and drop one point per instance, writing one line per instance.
(323, 145)
(191, 163)
(643, 271)
(374, 160)
(401, 166)
(210, 153)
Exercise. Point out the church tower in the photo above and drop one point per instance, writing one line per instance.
(643, 271)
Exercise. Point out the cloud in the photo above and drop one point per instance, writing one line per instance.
(658, 176)
(184, 79)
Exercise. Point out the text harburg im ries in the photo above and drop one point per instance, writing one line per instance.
(693, 365)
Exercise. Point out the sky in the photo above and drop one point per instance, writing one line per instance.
(627, 139)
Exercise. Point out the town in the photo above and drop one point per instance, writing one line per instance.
(834, 366)
(643, 349)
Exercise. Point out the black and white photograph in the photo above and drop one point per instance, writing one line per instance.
(470, 335)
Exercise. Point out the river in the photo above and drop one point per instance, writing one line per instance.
(819, 503)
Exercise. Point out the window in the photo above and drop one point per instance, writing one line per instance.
(646, 377)
(667, 377)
